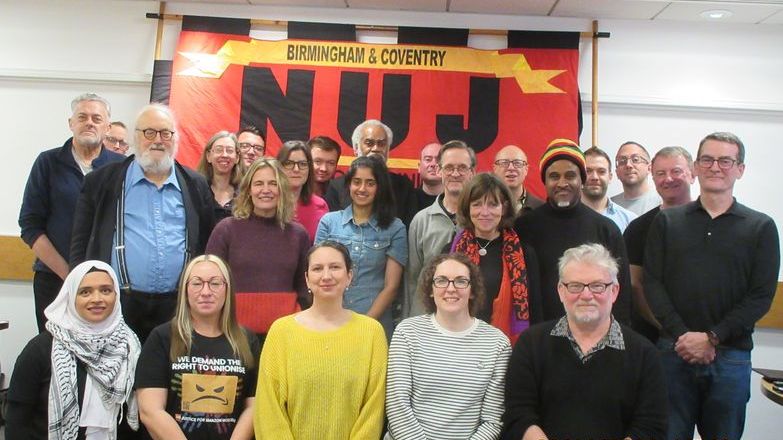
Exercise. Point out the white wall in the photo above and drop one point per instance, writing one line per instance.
(660, 83)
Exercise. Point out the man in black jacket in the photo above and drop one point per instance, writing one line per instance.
(146, 216)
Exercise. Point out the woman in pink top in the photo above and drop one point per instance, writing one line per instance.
(297, 163)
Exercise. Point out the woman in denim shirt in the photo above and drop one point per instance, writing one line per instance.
(375, 238)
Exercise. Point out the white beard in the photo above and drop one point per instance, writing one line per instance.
(152, 166)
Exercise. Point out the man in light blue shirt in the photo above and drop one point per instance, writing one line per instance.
(599, 174)
(146, 216)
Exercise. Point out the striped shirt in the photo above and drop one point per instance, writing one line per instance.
(445, 385)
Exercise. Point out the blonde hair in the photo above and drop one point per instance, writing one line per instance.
(182, 325)
(243, 205)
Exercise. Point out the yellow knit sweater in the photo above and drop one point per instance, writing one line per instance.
(326, 385)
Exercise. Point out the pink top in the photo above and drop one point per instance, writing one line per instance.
(310, 215)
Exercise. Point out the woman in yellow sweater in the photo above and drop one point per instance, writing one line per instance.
(322, 373)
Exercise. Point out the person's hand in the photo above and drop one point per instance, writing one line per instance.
(695, 348)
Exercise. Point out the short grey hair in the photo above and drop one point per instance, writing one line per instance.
(163, 108)
(674, 151)
(356, 138)
(590, 253)
(725, 136)
(89, 96)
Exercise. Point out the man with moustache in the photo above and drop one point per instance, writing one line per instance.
(116, 138)
(585, 375)
(431, 183)
(672, 170)
(251, 145)
(49, 201)
(434, 227)
(511, 167)
(633, 167)
(373, 138)
(599, 174)
(564, 222)
(710, 273)
(326, 155)
(146, 216)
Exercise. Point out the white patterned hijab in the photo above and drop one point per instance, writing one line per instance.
(108, 350)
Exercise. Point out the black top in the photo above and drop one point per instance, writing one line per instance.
(27, 415)
(529, 202)
(615, 394)
(422, 200)
(552, 231)
(711, 274)
(635, 236)
(207, 388)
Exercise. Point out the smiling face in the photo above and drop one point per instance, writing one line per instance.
(455, 170)
(327, 276)
(297, 175)
(673, 179)
(89, 123)
(223, 156)
(563, 184)
(631, 174)
(156, 154)
(586, 307)
(485, 215)
(206, 290)
(451, 300)
(363, 188)
(264, 192)
(598, 177)
(251, 147)
(715, 179)
(96, 297)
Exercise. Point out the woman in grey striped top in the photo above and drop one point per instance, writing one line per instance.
(447, 368)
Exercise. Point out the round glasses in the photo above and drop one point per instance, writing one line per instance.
(216, 284)
(151, 133)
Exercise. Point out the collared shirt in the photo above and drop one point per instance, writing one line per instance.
(612, 339)
(155, 232)
(711, 274)
(370, 246)
(619, 215)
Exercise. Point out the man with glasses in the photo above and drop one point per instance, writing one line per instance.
(146, 216)
(511, 167)
(585, 375)
(633, 167)
(564, 222)
(710, 272)
(373, 138)
(49, 200)
(116, 138)
(251, 145)
(433, 227)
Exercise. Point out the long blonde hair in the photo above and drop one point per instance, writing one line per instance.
(243, 205)
(182, 325)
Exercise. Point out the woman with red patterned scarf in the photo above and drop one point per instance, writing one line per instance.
(486, 211)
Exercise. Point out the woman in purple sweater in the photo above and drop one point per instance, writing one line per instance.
(264, 248)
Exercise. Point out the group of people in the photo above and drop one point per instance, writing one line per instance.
(272, 296)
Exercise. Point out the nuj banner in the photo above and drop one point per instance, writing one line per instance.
(428, 87)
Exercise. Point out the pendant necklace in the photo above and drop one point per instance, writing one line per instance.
(483, 250)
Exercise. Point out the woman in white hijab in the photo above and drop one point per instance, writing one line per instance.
(71, 381)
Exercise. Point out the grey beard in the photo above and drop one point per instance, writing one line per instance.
(151, 166)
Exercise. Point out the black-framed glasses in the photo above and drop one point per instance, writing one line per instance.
(504, 163)
(290, 164)
(151, 133)
(634, 159)
(114, 141)
(594, 287)
(724, 163)
(216, 284)
(460, 169)
(246, 146)
(443, 282)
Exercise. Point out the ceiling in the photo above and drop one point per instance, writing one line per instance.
(740, 11)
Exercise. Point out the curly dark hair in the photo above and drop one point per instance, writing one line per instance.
(477, 292)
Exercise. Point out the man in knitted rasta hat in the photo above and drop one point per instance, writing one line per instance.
(564, 222)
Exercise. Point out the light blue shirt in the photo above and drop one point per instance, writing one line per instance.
(155, 232)
(619, 215)
(369, 246)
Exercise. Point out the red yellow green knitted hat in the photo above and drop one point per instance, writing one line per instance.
(560, 149)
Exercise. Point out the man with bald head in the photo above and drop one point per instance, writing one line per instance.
(511, 167)
(429, 173)
(146, 216)
(49, 201)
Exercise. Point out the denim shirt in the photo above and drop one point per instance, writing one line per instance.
(369, 246)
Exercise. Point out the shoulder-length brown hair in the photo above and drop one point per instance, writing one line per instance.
(182, 324)
(243, 205)
(283, 155)
(481, 185)
(207, 170)
(477, 291)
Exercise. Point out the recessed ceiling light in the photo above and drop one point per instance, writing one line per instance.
(716, 14)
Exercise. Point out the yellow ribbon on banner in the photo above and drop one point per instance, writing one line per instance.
(373, 56)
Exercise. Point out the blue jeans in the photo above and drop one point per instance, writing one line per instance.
(710, 397)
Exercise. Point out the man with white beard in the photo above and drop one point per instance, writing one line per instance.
(146, 216)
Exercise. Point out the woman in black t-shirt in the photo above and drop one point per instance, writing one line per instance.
(196, 376)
